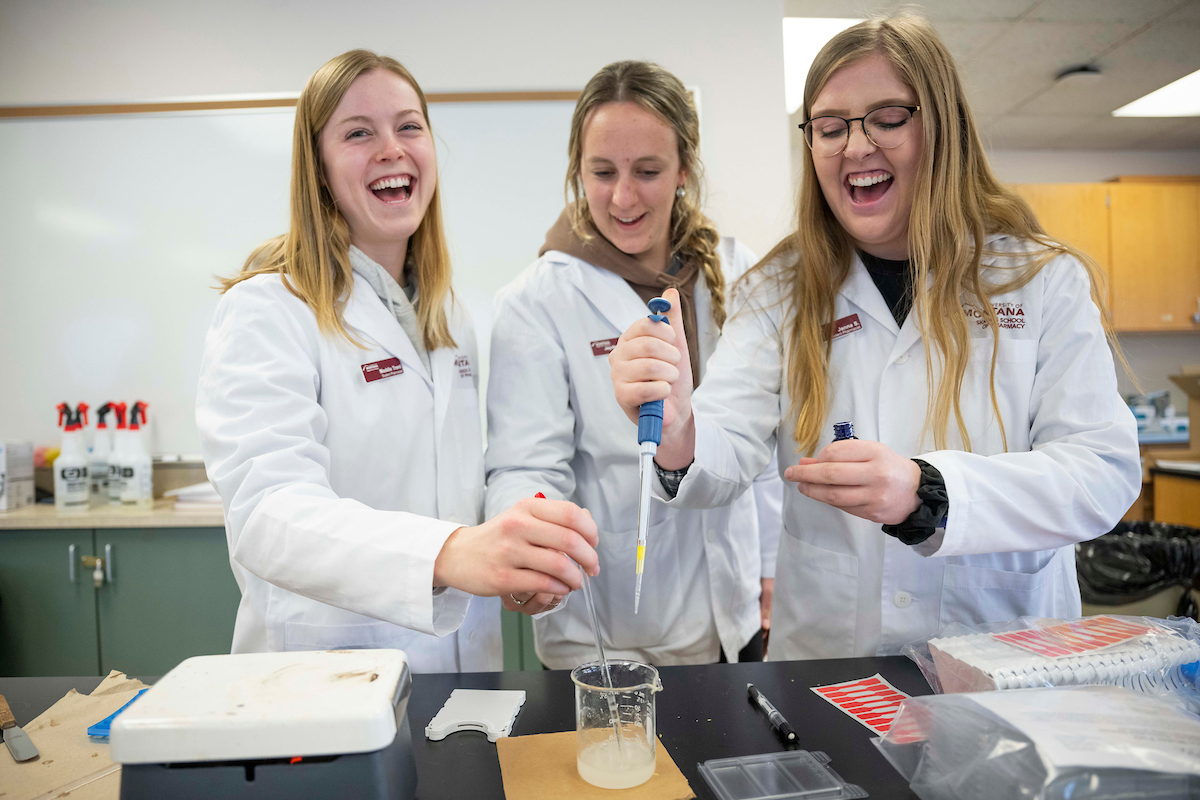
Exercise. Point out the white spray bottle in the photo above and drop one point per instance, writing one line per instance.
(137, 488)
(71, 487)
(98, 464)
(115, 458)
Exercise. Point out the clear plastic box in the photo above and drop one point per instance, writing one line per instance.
(777, 776)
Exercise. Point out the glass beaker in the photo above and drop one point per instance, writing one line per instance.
(602, 760)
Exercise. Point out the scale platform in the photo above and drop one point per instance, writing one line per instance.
(328, 724)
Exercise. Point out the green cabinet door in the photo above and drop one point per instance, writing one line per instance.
(47, 617)
(517, 632)
(172, 596)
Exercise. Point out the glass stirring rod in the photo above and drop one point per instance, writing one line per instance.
(649, 437)
(604, 671)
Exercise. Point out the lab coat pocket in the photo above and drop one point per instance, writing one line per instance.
(815, 604)
(975, 594)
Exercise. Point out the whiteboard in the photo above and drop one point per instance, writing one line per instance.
(114, 228)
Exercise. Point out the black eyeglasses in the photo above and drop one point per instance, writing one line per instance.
(885, 127)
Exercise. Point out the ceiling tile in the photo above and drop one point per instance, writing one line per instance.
(936, 10)
(1151, 60)
(1024, 60)
(1189, 12)
(1133, 11)
(833, 8)
(965, 39)
(1028, 133)
(1184, 135)
(972, 10)
(1117, 133)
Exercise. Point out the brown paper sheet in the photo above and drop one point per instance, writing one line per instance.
(542, 767)
(70, 763)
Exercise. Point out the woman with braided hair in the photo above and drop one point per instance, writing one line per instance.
(632, 227)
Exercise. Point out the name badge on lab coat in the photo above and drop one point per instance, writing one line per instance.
(378, 370)
(844, 326)
(602, 347)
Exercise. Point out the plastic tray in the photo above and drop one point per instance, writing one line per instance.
(777, 776)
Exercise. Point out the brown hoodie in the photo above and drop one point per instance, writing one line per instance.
(600, 252)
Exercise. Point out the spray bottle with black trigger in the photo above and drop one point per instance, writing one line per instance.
(101, 450)
(137, 486)
(71, 487)
(117, 456)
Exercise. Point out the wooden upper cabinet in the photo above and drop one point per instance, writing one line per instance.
(1155, 230)
(1146, 237)
(1075, 214)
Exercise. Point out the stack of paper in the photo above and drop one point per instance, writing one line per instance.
(200, 496)
(1094, 650)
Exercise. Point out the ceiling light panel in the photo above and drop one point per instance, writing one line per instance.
(1180, 98)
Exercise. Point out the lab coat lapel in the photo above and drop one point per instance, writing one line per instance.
(861, 291)
(441, 361)
(365, 312)
(608, 293)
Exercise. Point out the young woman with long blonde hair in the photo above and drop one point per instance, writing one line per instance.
(919, 299)
(338, 407)
(633, 226)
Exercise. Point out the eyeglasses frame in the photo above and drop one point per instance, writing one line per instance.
(912, 112)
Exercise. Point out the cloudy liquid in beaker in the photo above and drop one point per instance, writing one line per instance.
(603, 764)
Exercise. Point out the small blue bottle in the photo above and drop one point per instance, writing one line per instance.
(843, 430)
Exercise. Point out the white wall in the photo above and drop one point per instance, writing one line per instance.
(54, 52)
(58, 51)
(1088, 166)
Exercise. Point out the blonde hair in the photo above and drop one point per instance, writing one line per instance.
(957, 202)
(313, 257)
(692, 235)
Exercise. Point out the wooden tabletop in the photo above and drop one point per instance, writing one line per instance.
(163, 515)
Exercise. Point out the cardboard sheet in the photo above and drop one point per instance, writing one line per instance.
(70, 763)
(542, 767)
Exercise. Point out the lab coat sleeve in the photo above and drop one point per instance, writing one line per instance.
(262, 428)
(737, 406)
(1082, 472)
(737, 259)
(531, 425)
(768, 499)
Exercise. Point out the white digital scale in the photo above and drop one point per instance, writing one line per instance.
(325, 724)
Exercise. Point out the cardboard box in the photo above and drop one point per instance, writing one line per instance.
(16, 475)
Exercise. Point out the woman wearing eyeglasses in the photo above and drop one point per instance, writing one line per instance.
(921, 300)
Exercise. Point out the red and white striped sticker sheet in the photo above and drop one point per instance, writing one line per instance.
(872, 701)
(1074, 638)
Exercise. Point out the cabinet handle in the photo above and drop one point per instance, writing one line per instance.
(71, 563)
(108, 562)
(1196, 316)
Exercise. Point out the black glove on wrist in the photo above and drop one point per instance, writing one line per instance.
(930, 515)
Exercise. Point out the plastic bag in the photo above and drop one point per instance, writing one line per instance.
(1078, 743)
(1137, 560)
(1148, 655)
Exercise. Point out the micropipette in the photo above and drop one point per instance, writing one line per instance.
(649, 437)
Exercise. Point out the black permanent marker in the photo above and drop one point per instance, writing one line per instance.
(777, 721)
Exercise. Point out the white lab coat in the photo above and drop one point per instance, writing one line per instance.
(555, 427)
(339, 492)
(844, 588)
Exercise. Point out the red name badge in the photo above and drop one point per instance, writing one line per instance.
(602, 347)
(845, 325)
(378, 370)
